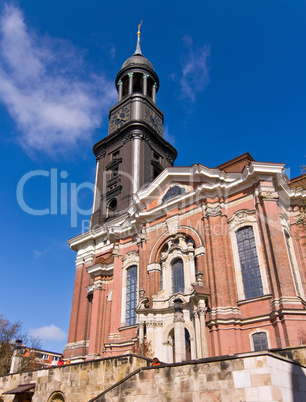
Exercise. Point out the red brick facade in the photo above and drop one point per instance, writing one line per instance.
(209, 212)
(211, 259)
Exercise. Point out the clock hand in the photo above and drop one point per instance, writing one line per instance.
(153, 120)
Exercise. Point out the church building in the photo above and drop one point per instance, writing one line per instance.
(191, 262)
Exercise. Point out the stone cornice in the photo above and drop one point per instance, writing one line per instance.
(100, 269)
(214, 183)
(199, 172)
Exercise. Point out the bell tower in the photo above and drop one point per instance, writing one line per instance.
(134, 152)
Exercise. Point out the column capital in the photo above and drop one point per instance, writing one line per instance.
(178, 319)
(201, 311)
(98, 285)
(268, 195)
(213, 211)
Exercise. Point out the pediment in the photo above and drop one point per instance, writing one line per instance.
(177, 187)
(174, 184)
(170, 193)
(174, 190)
(114, 163)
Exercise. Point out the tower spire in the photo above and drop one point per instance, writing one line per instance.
(138, 50)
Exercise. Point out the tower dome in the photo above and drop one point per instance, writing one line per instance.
(141, 69)
(137, 59)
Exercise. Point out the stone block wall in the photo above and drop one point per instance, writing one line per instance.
(261, 377)
(78, 382)
(297, 353)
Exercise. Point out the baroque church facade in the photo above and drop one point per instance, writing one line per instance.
(192, 261)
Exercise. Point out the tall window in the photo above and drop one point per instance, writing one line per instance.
(295, 279)
(249, 263)
(131, 295)
(178, 284)
(138, 83)
(260, 341)
(111, 208)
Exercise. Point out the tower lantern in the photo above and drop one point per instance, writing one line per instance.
(134, 152)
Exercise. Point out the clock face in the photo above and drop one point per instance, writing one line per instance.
(154, 120)
(119, 118)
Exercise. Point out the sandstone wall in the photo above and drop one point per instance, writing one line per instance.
(263, 377)
(78, 382)
(260, 376)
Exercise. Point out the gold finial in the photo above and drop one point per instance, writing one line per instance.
(138, 32)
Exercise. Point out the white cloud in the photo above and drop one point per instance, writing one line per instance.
(49, 332)
(194, 77)
(49, 92)
(41, 252)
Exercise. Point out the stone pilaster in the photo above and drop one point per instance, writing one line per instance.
(96, 318)
(197, 332)
(179, 332)
(202, 313)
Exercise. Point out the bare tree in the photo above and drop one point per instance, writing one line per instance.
(9, 333)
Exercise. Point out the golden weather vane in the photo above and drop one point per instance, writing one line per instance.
(138, 32)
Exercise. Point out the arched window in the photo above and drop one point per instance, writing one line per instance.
(131, 295)
(111, 208)
(177, 265)
(249, 263)
(150, 86)
(178, 284)
(138, 83)
(187, 345)
(260, 341)
(125, 89)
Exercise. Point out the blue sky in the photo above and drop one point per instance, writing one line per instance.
(232, 80)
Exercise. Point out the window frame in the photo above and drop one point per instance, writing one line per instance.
(182, 251)
(240, 219)
(131, 259)
(181, 273)
(249, 261)
(130, 316)
(111, 210)
(259, 331)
